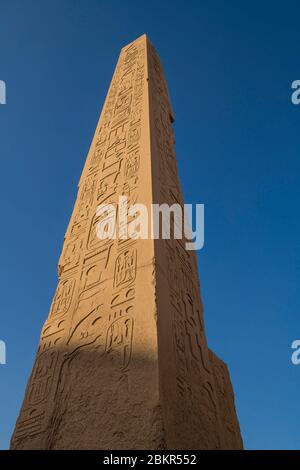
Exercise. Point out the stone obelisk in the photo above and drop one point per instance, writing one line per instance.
(123, 361)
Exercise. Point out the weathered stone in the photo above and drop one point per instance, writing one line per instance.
(123, 361)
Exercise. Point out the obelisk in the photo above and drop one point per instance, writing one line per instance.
(123, 361)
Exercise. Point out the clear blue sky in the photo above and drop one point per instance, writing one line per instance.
(229, 68)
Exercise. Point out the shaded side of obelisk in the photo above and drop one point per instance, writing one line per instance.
(123, 361)
(194, 383)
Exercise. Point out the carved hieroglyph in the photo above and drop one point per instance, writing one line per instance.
(123, 361)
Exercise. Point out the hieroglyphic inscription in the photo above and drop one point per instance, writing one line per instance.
(194, 378)
(98, 310)
(81, 315)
